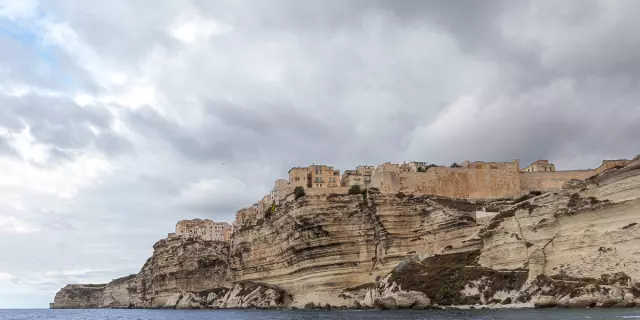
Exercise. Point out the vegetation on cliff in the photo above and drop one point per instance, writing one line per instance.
(444, 278)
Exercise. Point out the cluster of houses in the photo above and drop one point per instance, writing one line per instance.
(203, 228)
(315, 179)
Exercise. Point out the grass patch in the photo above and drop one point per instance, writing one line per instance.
(443, 277)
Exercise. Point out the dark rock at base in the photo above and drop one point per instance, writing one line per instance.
(404, 300)
(386, 303)
(545, 302)
(583, 302)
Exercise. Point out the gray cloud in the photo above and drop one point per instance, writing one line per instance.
(5, 148)
(277, 85)
(62, 124)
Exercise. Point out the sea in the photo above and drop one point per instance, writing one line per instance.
(120, 314)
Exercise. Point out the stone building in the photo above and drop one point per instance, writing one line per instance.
(298, 176)
(314, 176)
(413, 166)
(264, 203)
(203, 228)
(540, 166)
(280, 191)
(344, 180)
(360, 176)
(322, 176)
(245, 214)
(364, 170)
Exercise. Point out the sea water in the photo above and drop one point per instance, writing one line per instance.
(120, 314)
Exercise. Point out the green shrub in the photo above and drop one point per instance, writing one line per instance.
(455, 165)
(298, 192)
(269, 211)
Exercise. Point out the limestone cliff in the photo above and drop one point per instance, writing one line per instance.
(177, 265)
(317, 246)
(576, 247)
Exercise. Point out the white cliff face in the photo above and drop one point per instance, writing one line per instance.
(177, 265)
(581, 234)
(577, 247)
(80, 296)
(318, 246)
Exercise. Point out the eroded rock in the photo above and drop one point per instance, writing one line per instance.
(544, 302)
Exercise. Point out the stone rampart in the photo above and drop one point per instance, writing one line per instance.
(551, 181)
(462, 183)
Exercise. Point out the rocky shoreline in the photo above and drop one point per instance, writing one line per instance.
(579, 247)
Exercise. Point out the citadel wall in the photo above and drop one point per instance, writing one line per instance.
(551, 181)
(502, 181)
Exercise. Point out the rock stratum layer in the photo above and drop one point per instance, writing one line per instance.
(576, 248)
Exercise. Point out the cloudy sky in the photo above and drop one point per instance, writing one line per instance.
(118, 118)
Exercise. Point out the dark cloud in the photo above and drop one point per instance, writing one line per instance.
(63, 125)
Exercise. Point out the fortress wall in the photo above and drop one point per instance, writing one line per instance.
(387, 182)
(474, 183)
(451, 182)
(492, 183)
(551, 181)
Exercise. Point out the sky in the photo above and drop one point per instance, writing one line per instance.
(119, 118)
